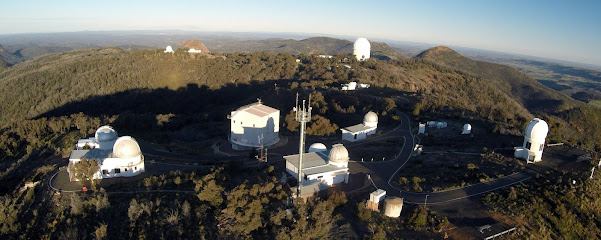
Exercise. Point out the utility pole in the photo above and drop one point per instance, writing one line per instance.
(303, 115)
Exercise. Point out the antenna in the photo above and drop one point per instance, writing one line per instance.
(303, 115)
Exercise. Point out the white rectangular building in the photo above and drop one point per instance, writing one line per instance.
(316, 169)
(254, 125)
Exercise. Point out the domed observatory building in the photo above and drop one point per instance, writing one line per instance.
(118, 157)
(318, 147)
(104, 138)
(361, 130)
(254, 125)
(534, 141)
(320, 169)
(168, 49)
(361, 49)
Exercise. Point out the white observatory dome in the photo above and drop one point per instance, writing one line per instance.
(126, 147)
(318, 147)
(370, 117)
(361, 49)
(338, 155)
(537, 130)
(168, 49)
(105, 134)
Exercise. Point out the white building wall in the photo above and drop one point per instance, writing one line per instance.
(349, 136)
(246, 128)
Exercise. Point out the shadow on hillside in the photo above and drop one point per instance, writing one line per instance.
(189, 100)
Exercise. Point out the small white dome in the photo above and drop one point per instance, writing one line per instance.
(318, 147)
(370, 117)
(537, 130)
(168, 49)
(126, 147)
(361, 48)
(467, 126)
(338, 154)
(105, 134)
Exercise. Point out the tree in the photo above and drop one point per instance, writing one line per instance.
(84, 171)
(291, 124)
(321, 126)
(208, 189)
(101, 231)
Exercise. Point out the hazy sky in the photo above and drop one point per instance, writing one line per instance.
(568, 30)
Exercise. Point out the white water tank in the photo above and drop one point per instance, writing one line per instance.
(393, 207)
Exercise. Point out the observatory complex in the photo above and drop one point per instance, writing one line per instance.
(253, 126)
(534, 141)
(361, 49)
(320, 169)
(116, 156)
(361, 130)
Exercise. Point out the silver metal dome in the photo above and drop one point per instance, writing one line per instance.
(318, 147)
(338, 154)
(105, 134)
(370, 117)
(126, 147)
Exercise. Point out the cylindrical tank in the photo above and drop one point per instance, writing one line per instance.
(393, 206)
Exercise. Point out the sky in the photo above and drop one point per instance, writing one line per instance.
(565, 30)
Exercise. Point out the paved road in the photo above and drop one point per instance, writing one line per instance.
(382, 174)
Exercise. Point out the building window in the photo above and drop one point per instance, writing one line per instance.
(105, 172)
(117, 170)
(253, 125)
(126, 169)
(240, 123)
(541, 147)
(135, 168)
(320, 177)
(234, 121)
(528, 145)
(355, 136)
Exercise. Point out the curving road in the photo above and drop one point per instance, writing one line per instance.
(382, 174)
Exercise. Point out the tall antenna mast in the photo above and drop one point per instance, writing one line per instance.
(303, 115)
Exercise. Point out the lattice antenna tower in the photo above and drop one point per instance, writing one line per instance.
(303, 116)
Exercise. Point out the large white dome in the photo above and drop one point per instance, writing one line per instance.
(318, 147)
(126, 147)
(537, 130)
(338, 154)
(105, 134)
(361, 49)
(370, 117)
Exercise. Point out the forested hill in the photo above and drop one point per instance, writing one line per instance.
(530, 93)
(314, 45)
(30, 89)
(570, 120)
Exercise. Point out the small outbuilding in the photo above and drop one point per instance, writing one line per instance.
(467, 129)
(422, 128)
(362, 130)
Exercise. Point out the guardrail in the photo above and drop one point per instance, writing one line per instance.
(501, 233)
